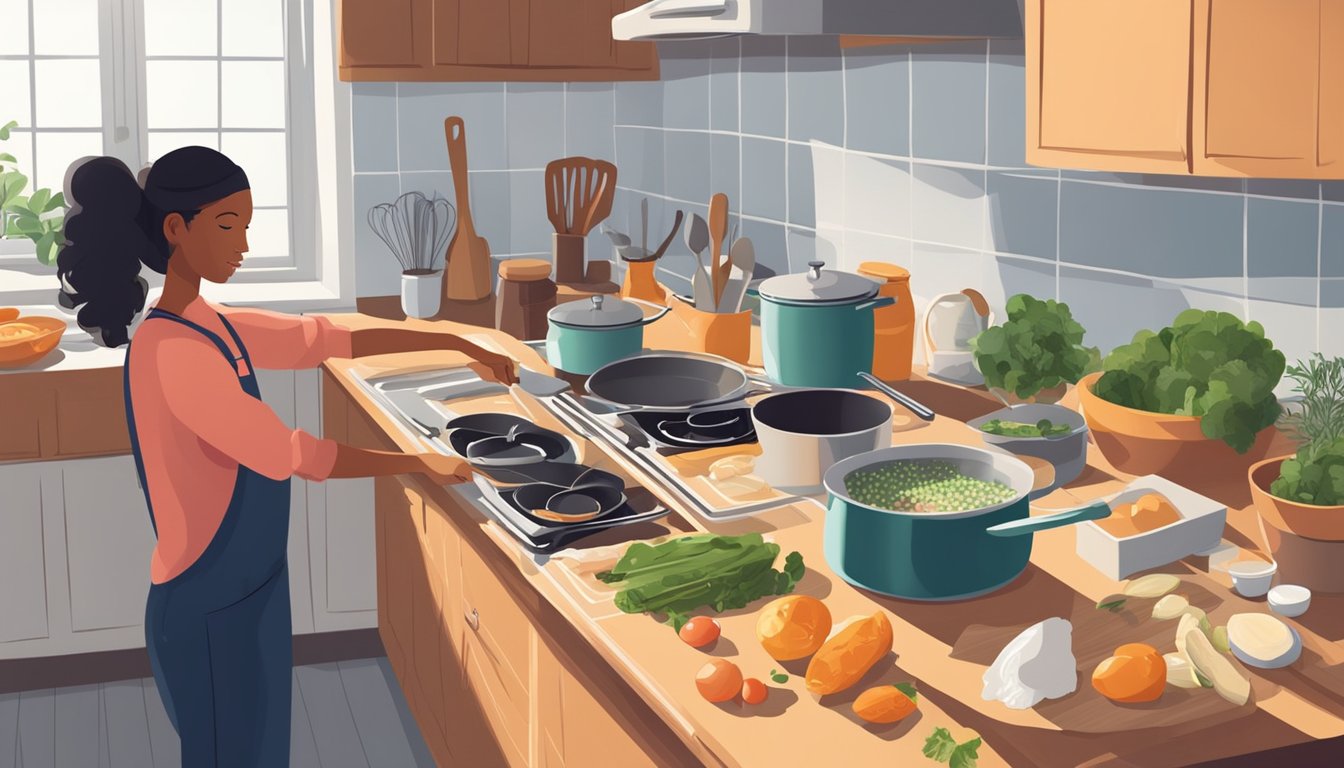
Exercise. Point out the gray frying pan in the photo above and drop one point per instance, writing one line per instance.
(668, 381)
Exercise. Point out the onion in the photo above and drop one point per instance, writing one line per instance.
(1263, 641)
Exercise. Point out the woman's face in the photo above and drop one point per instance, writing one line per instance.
(213, 244)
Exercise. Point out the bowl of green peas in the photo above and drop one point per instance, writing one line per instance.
(1050, 432)
(935, 521)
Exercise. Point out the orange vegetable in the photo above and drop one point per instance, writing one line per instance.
(699, 631)
(1136, 673)
(1149, 512)
(848, 655)
(8, 313)
(793, 627)
(720, 680)
(753, 691)
(884, 704)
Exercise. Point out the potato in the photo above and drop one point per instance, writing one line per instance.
(793, 627)
(1152, 586)
(1170, 607)
(849, 654)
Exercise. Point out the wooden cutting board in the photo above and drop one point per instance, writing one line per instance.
(1096, 634)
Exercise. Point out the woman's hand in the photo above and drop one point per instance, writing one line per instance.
(444, 470)
(492, 366)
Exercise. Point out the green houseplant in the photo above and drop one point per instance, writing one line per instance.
(39, 217)
(1036, 354)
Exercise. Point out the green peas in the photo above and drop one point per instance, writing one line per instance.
(924, 486)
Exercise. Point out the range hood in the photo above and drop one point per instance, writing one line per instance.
(699, 19)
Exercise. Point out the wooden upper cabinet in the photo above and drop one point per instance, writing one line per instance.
(1108, 84)
(1272, 79)
(1210, 87)
(489, 40)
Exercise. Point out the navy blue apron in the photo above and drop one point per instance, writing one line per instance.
(219, 634)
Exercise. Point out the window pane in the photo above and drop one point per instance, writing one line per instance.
(262, 156)
(69, 94)
(268, 235)
(14, 103)
(161, 143)
(181, 28)
(20, 145)
(254, 28)
(65, 27)
(182, 94)
(14, 30)
(254, 94)
(56, 151)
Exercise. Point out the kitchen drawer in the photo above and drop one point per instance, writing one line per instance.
(497, 651)
(91, 414)
(24, 405)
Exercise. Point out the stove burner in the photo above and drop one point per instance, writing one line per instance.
(697, 429)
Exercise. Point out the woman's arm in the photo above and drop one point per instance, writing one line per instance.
(358, 462)
(381, 341)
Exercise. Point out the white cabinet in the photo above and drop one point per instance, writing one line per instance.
(23, 587)
(75, 544)
(108, 543)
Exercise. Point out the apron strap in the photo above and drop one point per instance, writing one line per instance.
(247, 358)
(209, 334)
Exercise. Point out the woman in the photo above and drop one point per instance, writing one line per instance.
(214, 461)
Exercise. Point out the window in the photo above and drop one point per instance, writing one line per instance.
(138, 78)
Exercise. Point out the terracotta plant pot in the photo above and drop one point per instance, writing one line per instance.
(1145, 443)
(1307, 541)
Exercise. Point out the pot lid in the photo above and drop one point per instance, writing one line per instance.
(600, 312)
(818, 286)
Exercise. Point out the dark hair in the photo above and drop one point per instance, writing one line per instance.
(115, 225)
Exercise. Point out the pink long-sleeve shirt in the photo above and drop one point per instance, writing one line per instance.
(196, 425)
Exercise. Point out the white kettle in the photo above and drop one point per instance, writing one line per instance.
(952, 320)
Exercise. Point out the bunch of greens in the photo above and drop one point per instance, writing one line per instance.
(1040, 347)
(40, 217)
(701, 570)
(1315, 475)
(1206, 364)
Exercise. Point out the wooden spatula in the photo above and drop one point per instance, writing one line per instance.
(718, 230)
(468, 274)
(599, 208)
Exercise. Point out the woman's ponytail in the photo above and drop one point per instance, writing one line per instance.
(110, 231)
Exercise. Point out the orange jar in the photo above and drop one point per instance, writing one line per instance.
(894, 326)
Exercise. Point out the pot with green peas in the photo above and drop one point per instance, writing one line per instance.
(934, 521)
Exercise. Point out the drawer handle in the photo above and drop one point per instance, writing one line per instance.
(473, 619)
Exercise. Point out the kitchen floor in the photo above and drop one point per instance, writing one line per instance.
(350, 713)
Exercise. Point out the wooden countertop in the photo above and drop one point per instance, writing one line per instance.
(931, 641)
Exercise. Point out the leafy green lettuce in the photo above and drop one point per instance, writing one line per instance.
(701, 570)
(1206, 364)
(1039, 347)
(1313, 476)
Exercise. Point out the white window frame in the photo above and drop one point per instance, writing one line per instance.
(319, 272)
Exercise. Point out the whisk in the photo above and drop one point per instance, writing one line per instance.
(415, 229)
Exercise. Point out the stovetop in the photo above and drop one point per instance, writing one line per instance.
(670, 431)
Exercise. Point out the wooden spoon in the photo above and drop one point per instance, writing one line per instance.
(718, 230)
(467, 277)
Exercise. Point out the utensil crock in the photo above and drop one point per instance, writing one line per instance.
(421, 291)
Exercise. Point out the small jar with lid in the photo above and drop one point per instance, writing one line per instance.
(893, 326)
(526, 294)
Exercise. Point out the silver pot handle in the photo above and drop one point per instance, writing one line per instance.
(1027, 525)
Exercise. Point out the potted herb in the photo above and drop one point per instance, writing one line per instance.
(1195, 395)
(1303, 494)
(39, 217)
(1036, 354)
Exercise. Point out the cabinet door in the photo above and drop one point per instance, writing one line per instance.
(397, 509)
(575, 728)
(25, 403)
(497, 650)
(23, 586)
(487, 33)
(1270, 80)
(1108, 84)
(384, 34)
(108, 541)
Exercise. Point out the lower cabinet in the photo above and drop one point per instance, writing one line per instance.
(486, 685)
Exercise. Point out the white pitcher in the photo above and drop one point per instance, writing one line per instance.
(952, 320)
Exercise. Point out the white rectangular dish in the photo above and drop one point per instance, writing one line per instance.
(1200, 528)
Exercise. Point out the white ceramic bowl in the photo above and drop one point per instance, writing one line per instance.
(1289, 600)
(1251, 578)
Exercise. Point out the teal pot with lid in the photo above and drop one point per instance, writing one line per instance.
(937, 556)
(582, 336)
(817, 327)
